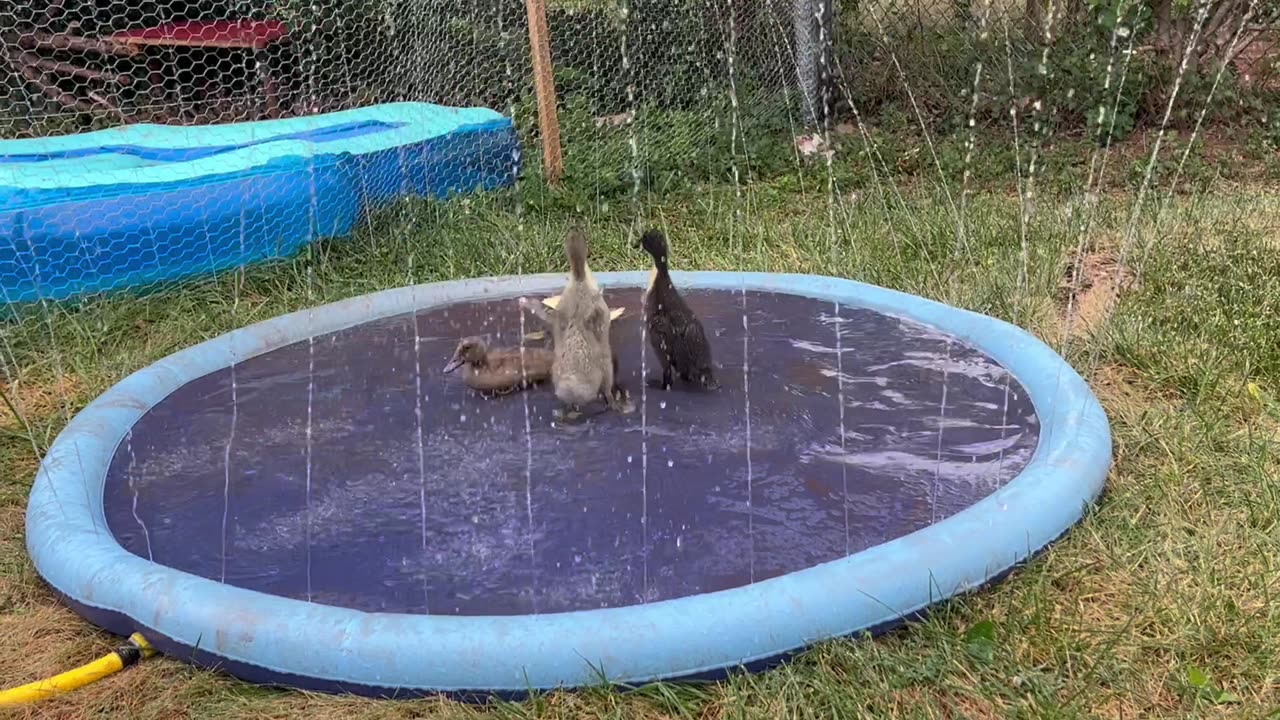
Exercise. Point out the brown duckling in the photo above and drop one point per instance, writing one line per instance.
(500, 371)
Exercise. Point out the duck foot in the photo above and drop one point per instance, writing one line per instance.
(619, 400)
(707, 384)
(702, 381)
(623, 406)
(567, 415)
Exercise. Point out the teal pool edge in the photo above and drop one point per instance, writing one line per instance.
(272, 639)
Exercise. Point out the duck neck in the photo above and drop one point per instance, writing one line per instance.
(660, 265)
(576, 249)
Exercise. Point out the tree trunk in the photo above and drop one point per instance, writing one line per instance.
(1174, 31)
(1034, 17)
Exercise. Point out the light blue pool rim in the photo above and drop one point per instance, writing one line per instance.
(72, 549)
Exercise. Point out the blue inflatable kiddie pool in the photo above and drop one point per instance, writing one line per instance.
(311, 501)
(148, 203)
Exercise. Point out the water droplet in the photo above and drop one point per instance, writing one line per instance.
(671, 463)
(663, 405)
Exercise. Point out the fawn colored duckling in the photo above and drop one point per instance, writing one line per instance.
(500, 371)
(585, 367)
(675, 332)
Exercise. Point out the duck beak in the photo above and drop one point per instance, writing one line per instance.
(454, 364)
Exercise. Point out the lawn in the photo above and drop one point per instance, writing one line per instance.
(1161, 603)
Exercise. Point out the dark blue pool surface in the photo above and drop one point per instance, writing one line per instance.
(484, 518)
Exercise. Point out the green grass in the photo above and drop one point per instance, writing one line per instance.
(1161, 603)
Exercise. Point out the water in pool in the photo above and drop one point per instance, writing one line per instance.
(491, 519)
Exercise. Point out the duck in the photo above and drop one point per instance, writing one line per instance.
(500, 371)
(675, 332)
(585, 366)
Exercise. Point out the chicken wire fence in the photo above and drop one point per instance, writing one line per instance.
(71, 63)
(645, 91)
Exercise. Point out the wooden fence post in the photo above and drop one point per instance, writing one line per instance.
(545, 85)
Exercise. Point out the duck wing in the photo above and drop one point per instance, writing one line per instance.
(695, 351)
(533, 365)
(494, 380)
(663, 330)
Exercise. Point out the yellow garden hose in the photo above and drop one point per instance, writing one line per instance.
(122, 657)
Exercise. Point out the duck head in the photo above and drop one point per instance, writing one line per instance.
(470, 351)
(654, 243)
